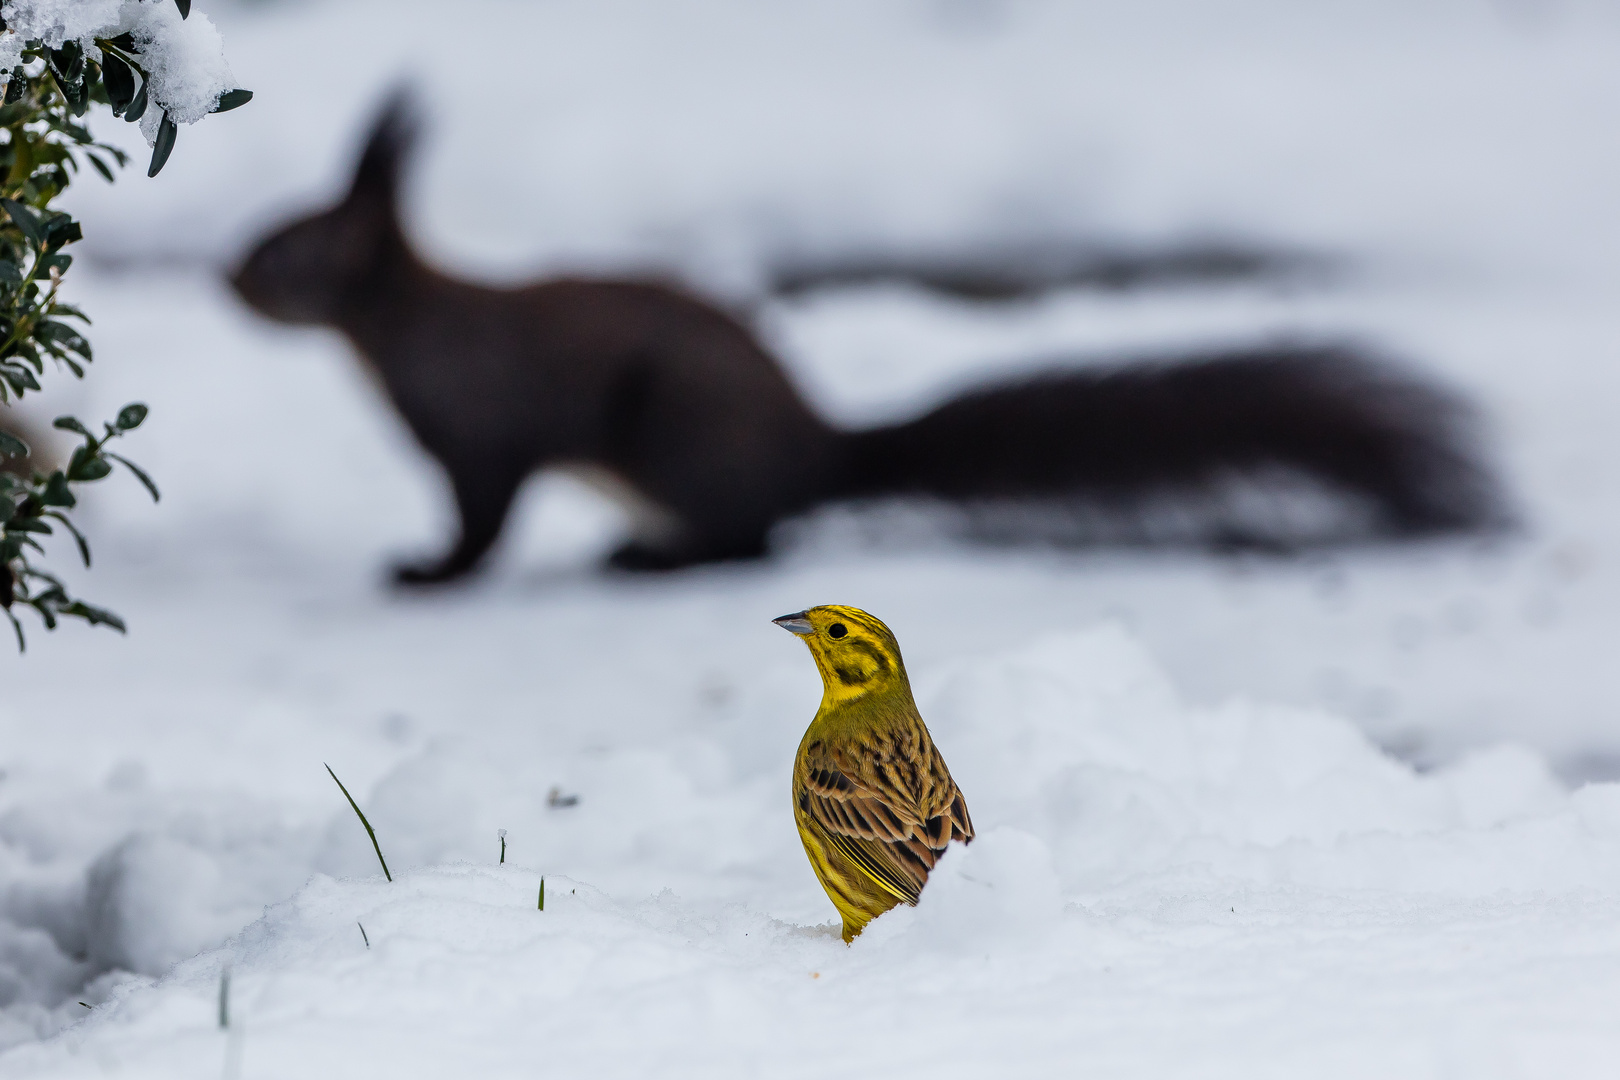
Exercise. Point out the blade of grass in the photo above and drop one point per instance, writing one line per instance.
(224, 998)
(369, 830)
(542, 892)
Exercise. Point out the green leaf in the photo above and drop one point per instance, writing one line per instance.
(119, 81)
(84, 545)
(233, 99)
(146, 481)
(16, 85)
(28, 525)
(137, 108)
(184, 6)
(87, 465)
(11, 446)
(68, 61)
(62, 334)
(101, 167)
(26, 220)
(62, 229)
(39, 604)
(67, 67)
(21, 379)
(70, 423)
(131, 416)
(162, 147)
(57, 492)
(94, 616)
(117, 154)
(93, 470)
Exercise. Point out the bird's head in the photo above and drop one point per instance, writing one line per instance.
(855, 653)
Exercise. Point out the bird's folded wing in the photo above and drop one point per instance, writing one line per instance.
(876, 860)
(952, 823)
(884, 838)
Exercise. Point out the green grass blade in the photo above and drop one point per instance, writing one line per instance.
(369, 830)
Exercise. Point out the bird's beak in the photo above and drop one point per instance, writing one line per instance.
(796, 623)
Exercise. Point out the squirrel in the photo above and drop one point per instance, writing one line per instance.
(679, 404)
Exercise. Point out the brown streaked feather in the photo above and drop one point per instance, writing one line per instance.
(888, 812)
(874, 858)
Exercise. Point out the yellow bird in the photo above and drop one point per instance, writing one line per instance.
(873, 800)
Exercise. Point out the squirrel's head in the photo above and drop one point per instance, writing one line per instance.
(303, 272)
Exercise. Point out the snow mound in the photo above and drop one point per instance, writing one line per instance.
(1082, 741)
(1134, 852)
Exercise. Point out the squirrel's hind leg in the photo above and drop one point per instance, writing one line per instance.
(483, 498)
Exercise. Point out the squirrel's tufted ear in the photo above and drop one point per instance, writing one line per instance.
(393, 134)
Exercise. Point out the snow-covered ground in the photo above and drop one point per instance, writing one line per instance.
(1336, 816)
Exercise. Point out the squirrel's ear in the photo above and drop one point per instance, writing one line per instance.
(392, 136)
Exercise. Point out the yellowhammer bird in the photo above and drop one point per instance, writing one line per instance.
(873, 800)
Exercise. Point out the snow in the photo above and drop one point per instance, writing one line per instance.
(1241, 876)
(1340, 816)
(184, 59)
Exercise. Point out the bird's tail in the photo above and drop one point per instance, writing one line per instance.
(1093, 446)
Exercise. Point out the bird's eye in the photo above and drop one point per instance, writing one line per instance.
(837, 630)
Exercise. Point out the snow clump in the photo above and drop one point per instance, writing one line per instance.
(184, 58)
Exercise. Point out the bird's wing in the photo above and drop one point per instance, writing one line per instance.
(952, 821)
(878, 829)
(876, 860)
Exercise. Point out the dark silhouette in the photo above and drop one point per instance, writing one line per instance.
(680, 407)
(1029, 271)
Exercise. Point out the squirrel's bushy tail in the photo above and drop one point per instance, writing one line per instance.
(1133, 436)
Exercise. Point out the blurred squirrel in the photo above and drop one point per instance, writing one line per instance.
(681, 408)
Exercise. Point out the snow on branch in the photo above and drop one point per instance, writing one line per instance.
(181, 59)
